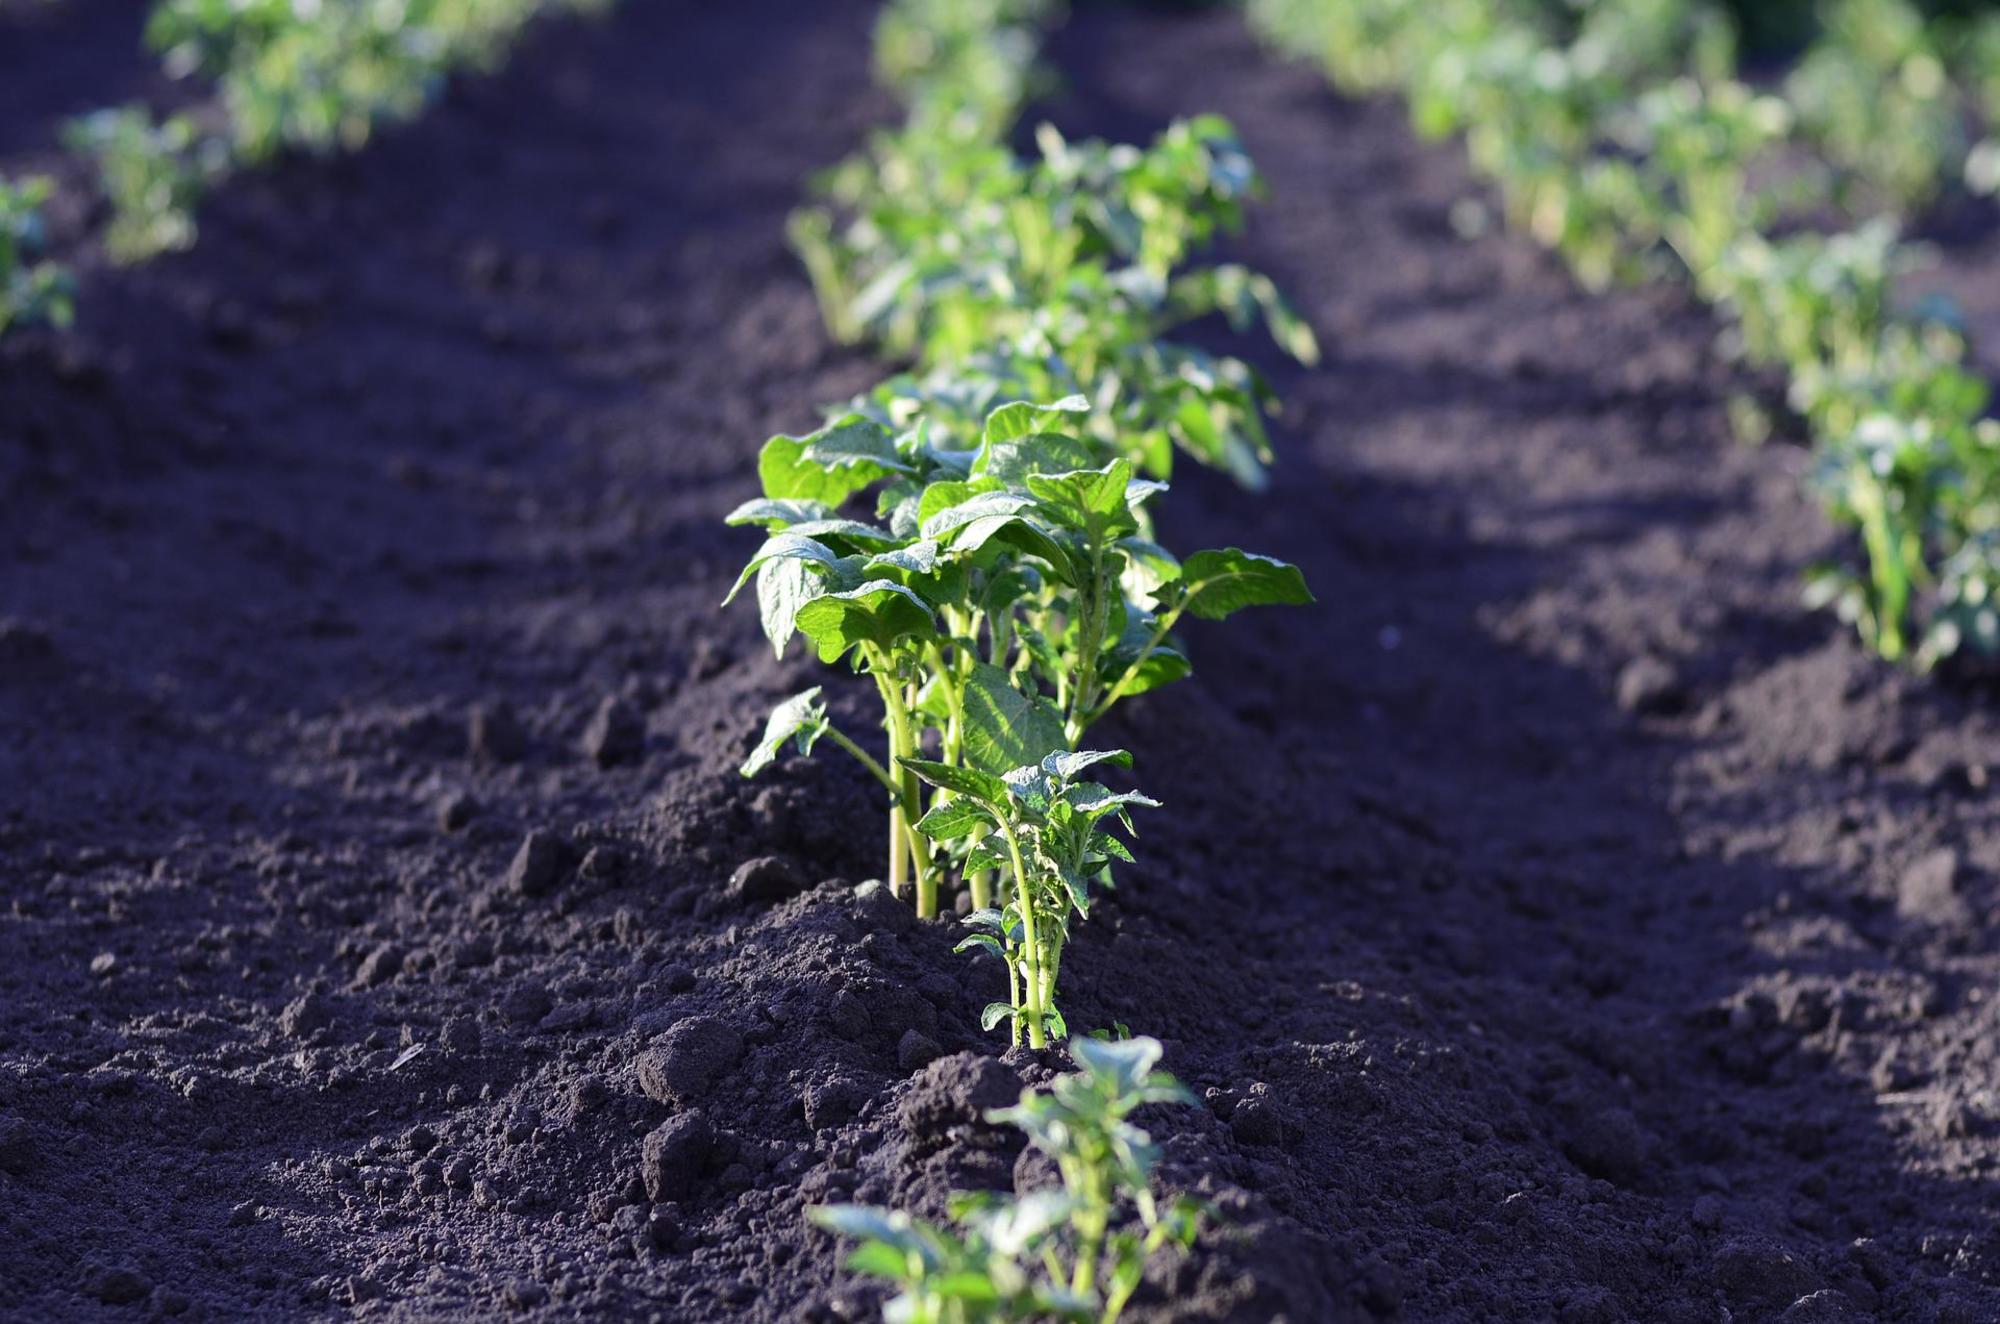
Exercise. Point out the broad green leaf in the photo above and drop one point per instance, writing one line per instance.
(1122, 1063)
(984, 941)
(976, 508)
(883, 1261)
(831, 464)
(784, 586)
(948, 492)
(861, 537)
(1103, 843)
(954, 819)
(1215, 584)
(918, 558)
(784, 546)
(994, 1013)
(1022, 418)
(802, 716)
(1004, 728)
(1067, 765)
(988, 854)
(980, 786)
(1094, 801)
(879, 612)
(1091, 501)
(777, 515)
(1011, 461)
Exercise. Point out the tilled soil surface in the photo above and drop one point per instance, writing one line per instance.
(1557, 922)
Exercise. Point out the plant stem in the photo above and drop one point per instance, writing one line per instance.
(1031, 965)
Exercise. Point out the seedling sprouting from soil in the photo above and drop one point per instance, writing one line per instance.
(1076, 1253)
(1044, 830)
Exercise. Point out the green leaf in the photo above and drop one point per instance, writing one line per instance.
(784, 586)
(802, 716)
(1215, 584)
(986, 855)
(994, 1013)
(1067, 765)
(954, 819)
(1004, 728)
(1094, 801)
(831, 464)
(1011, 461)
(980, 786)
(982, 940)
(859, 536)
(879, 612)
(777, 515)
(948, 492)
(1091, 501)
(1123, 1064)
(882, 1260)
(784, 546)
(1021, 418)
(1103, 843)
(981, 515)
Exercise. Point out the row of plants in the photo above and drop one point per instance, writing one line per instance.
(977, 536)
(1009, 590)
(283, 77)
(1621, 135)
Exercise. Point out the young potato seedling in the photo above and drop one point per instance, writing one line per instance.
(1045, 830)
(1076, 1253)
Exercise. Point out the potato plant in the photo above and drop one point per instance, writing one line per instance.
(33, 290)
(1002, 600)
(1074, 1253)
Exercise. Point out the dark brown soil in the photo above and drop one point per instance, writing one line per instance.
(1558, 923)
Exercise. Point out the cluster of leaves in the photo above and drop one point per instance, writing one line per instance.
(1003, 600)
(287, 77)
(1619, 135)
(1005, 278)
(1074, 1253)
(33, 290)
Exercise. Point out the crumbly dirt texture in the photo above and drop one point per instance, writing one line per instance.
(1556, 922)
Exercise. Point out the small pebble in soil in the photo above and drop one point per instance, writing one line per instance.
(495, 735)
(104, 965)
(539, 864)
(1650, 687)
(672, 1155)
(455, 810)
(766, 880)
(916, 1050)
(615, 735)
(380, 966)
(689, 1059)
(119, 1285)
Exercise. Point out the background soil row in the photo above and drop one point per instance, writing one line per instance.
(1557, 922)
